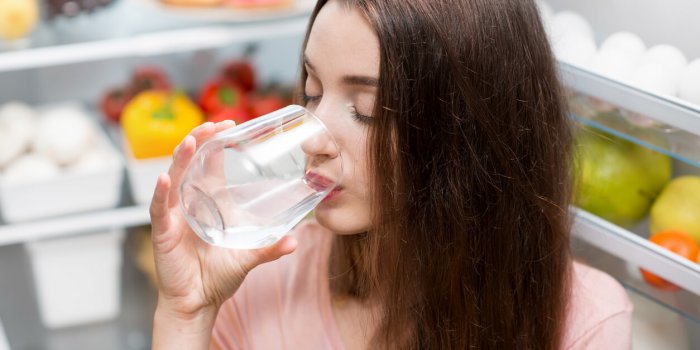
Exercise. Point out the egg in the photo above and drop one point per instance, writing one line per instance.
(94, 160)
(19, 119)
(11, 146)
(576, 49)
(668, 56)
(611, 64)
(655, 78)
(29, 168)
(64, 134)
(601, 106)
(566, 23)
(689, 82)
(625, 43)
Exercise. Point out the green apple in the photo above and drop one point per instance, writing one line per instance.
(616, 179)
(678, 207)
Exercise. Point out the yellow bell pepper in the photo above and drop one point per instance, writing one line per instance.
(155, 122)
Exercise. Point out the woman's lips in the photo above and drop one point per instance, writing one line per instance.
(332, 194)
(321, 183)
(318, 182)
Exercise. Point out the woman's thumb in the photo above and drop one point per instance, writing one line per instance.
(284, 246)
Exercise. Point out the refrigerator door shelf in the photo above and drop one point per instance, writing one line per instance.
(661, 319)
(621, 253)
(663, 123)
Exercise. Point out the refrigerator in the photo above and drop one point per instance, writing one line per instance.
(51, 230)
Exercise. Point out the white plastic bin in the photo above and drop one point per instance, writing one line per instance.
(77, 279)
(143, 174)
(70, 191)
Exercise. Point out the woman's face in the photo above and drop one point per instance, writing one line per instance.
(342, 61)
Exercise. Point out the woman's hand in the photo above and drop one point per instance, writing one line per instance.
(194, 277)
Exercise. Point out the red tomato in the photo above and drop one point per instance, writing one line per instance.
(112, 103)
(149, 78)
(677, 242)
(240, 72)
(218, 95)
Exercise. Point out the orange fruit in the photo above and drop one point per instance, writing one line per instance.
(677, 242)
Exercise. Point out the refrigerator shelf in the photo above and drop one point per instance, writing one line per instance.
(675, 143)
(669, 112)
(150, 44)
(636, 251)
(661, 319)
(67, 225)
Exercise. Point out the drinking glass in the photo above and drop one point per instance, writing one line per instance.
(248, 186)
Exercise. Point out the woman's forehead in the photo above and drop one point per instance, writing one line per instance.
(342, 40)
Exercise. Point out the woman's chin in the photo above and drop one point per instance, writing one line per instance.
(340, 221)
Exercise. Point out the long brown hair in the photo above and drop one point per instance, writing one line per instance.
(470, 150)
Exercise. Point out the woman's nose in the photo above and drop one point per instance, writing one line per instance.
(321, 143)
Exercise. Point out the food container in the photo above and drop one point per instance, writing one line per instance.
(143, 174)
(71, 190)
(77, 279)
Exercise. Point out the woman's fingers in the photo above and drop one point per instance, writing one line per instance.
(184, 152)
(223, 125)
(163, 235)
(284, 246)
(181, 159)
(203, 132)
(215, 160)
(160, 211)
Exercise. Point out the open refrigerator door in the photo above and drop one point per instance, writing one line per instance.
(4, 344)
(632, 75)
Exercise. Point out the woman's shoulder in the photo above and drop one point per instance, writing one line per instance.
(599, 311)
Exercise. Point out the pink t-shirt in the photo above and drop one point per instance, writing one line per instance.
(286, 304)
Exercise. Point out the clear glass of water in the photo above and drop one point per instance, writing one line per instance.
(248, 186)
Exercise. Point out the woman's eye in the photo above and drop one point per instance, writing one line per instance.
(361, 118)
(309, 98)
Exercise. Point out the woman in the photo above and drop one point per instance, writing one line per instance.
(450, 227)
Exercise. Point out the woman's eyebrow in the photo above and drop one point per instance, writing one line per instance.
(360, 80)
(348, 79)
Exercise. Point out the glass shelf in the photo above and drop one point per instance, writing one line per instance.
(677, 144)
(662, 123)
(665, 112)
(124, 216)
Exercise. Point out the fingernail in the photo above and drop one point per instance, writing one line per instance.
(190, 139)
(201, 126)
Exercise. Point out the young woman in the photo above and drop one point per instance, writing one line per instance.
(450, 228)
